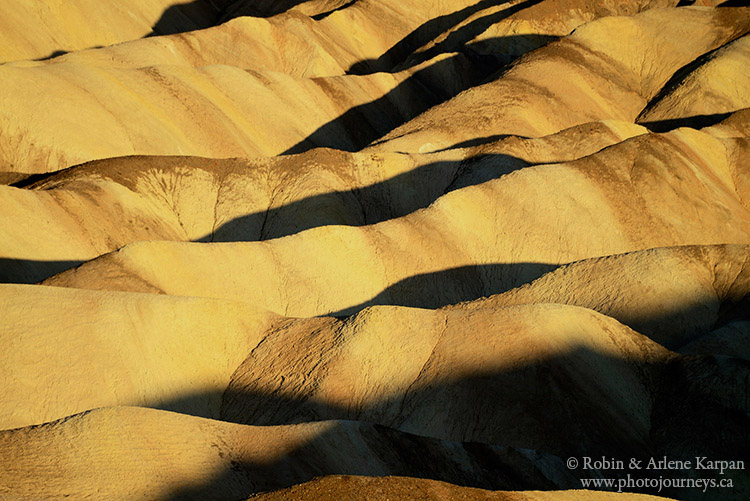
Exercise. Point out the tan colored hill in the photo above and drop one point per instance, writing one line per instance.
(34, 29)
(316, 39)
(512, 30)
(129, 452)
(337, 487)
(672, 295)
(439, 373)
(222, 111)
(359, 249)
(645, 192)
(70, 351)
(212, 111)
(717, 86)
(588, 75)
(416, 371)
(96, 208)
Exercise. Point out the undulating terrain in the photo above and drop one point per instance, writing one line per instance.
(373, 249)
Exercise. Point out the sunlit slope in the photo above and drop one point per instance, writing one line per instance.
(364, 36)
(586, 76)
(129, 452)
(34, 29)
(645, 192)
(439, 373)
(510, 29)
(96, 208)
(672, 295)
(70, 351)
(514, 376)
(718, 85)
(75, 113)
(737, 124)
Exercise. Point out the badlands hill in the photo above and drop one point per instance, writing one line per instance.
(334, 249)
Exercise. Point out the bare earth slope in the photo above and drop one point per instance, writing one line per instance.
(334, 249)
(642, 193)
(92, 209)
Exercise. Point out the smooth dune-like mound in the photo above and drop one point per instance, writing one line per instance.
(374, 249)
(225, 111)
(89, 210)
(645, 192)
(68, 351)
(76, 113)
(129, 452)
(34, 29)
(672, 295)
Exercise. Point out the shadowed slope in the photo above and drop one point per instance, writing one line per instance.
(585, 75)
(646, 192)
(719, 85)
(96, 208)
(127, 453)
(334, 488)
(671, 295)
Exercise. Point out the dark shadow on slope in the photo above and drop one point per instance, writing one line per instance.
(679, 77)
(425, 34)
(477, 141)
(255, 8)
(323, 15)
(189, 16)
(735, 3)
(455, 285)
(54, 54)
(29, 271)
(395, 197)
(423, 89)
(562, 406)
(695, 122)
(458, 39)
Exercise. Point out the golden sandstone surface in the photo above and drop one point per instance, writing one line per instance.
(374, 249)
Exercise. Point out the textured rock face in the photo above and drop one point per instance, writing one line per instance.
(333, 249)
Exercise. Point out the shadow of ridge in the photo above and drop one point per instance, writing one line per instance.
(694, 122)
(426, 87)
(459, 38)
(452, 286)
(30, 271)
(421, 36)
(388, 453)
(255, 8)
(523, 408)
(392, 198)
(735, 3)
(323, 15)
(188, 16)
